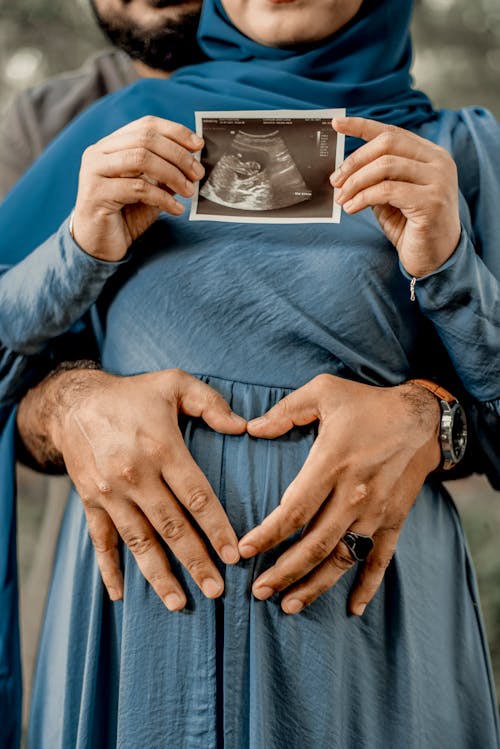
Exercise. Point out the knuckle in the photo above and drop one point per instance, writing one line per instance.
(341, 558)
(139, 157)
(323, 380)
(156, 452)
(197, 500)
(387, 139)
(297, 515)
(380, 562)
(138, 543)
(102, 544)
(104, 488)
(130, 474)
(196, 566)
(359, 495)
(387, 162)
(318, 551)
(138, 187)
(171, 530)
(87, 155)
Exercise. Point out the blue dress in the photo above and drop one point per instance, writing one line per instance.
(256, 312)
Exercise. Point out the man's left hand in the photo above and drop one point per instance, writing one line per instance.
(374, 449)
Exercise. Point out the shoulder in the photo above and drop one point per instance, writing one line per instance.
(38, 114)
(47, 108)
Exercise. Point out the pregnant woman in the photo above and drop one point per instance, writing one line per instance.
(296, 578)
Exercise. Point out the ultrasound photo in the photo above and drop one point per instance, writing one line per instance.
(268, 166)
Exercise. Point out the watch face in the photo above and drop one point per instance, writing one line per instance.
(459, 433)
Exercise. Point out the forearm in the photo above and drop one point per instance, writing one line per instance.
(41, 409)
(45, 294)
(462, 300)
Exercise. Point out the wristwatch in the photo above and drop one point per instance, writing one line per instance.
(453, 431)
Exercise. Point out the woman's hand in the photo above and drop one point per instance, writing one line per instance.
(127, 178)
(412, 186)
(374, 449)
(121, 444)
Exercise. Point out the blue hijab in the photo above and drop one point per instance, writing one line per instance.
(363, 67)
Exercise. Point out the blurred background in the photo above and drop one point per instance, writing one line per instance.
(457, 45)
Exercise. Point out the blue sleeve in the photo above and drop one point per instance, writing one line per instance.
(42, 296)
(462, 298)
(43, 301)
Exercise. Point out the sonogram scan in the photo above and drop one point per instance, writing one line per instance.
(268, 166)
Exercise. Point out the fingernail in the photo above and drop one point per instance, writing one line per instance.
(247, 550)
(263, 592)
(189, 187)
(195, 140)
(115, 594)
(211, 587)
(292, 606)
(339, 195)
(178, 208)
(174, 602)
(198, 168)
(348, 205)
(230, 554)
(358, 609)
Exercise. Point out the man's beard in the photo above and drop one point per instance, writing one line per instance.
(164, 48)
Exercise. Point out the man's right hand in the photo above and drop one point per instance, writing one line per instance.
(128, 178)
(121, 444)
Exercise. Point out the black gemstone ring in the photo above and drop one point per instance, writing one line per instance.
(359, 545)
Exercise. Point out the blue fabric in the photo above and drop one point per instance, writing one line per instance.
(256, 312)
(10, 660)
(267, 318)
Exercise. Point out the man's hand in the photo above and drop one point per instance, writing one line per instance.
(121, 444)
(412, 186)
(374, 449)
(127, 178)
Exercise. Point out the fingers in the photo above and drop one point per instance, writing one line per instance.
(169, 141)
(299, 503)
(296, 409)
(139, 162)
(324, 577)
(383, 140)
(393, 168)
(402, 195)
(373, 570)
(164, 513)
(104, 537)
(150, 128)
(193, 491)
(316, 544)
(139, 536)
(198, 399)
(390, 135)
(129, 191)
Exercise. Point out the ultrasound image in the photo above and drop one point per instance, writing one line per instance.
(257, 173)
(267, 166)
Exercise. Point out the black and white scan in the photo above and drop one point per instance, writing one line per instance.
(268, 167)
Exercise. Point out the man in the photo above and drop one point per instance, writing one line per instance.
(151, 38)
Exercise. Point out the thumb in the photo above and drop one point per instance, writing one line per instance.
(296, 409)
(199, 399)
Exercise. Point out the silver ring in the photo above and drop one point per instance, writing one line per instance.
(359, 546)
